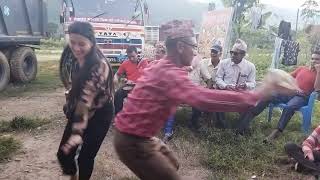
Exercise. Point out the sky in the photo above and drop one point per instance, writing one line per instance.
(292, 4)
(284, 3)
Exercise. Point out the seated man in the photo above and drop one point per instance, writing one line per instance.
(307, 156)
(130, 70)
(236, 73)
(306, 81)
(204, 75)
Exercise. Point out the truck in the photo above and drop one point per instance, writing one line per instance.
(114, 36)
(22, 24)
(118, 24)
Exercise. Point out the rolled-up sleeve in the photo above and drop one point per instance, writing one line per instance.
(312, 141)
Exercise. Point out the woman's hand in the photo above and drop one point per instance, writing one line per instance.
(73, 141)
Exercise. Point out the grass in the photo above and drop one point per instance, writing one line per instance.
(52, 43)
(8, 147)
(21, 123)
(48, 57)
(225, 154)
(47, 80)
(229, 156)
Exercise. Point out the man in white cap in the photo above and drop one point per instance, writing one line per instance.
(236, 73)
(209, 67)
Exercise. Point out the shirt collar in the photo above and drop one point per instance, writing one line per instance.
(210, 64)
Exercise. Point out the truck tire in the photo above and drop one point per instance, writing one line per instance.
(23, 64)
(4, 71)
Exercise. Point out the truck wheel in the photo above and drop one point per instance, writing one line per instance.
(23, 65)
(4, 71)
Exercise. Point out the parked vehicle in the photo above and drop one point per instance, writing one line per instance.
(22, 24)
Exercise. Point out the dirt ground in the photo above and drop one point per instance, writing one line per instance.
(37, 160)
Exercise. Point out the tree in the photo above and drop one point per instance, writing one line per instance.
(242, 8)
(310, 11)
(243, 20)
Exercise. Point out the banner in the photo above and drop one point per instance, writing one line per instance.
(216, 25)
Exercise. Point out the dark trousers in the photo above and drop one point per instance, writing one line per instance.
(196, 114)
(168, 128)
(93, 137)
(295, 151)
(220, 120)
(119, 97)
(293, 104)
(194, 121)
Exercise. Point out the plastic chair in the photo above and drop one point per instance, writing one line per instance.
(306, 111)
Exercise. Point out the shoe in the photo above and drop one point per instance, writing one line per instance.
(298, 167)
(274, 134)
(302, 169)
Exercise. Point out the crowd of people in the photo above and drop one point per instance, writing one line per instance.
(147, 100)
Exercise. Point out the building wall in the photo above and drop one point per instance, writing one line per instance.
(152, 34)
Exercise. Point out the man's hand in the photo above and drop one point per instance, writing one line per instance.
(309, 156)
(188, 68)
(317, 67)
(209, 83)
(73, 141)
(128, 82)
(241, 86)
(231, 87)
(123, 80)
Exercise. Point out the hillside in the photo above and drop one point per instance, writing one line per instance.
(160, 10)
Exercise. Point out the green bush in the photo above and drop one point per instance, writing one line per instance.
(21, 123)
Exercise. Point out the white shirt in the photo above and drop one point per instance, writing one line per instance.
(203, 72)
(194, 74)
(230, 73)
